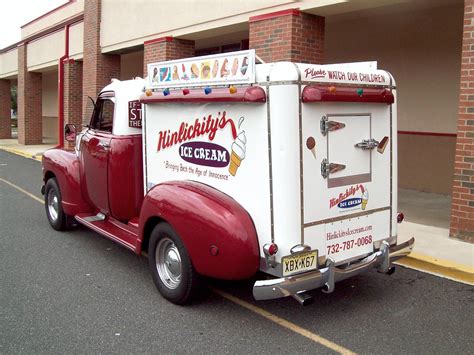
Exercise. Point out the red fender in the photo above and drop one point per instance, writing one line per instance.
(65, 166)
(206, 218)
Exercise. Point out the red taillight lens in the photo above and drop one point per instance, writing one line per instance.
(400, 217)
(270, 249)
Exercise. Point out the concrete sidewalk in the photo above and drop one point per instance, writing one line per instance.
(28, 151)
(426, 219)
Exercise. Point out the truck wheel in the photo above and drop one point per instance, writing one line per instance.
(171, 267)
(52, 203)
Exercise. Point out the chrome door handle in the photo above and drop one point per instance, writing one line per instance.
(367, 144)
(104, 145)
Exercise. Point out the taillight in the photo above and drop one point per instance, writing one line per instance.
(270, 249)
(400, 217)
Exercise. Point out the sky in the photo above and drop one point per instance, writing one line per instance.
(16, 13)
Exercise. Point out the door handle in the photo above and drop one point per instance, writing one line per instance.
(367, 144)
(104, 145)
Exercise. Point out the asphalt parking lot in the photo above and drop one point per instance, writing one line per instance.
(77, 292)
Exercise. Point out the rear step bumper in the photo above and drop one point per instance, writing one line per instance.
(326, 277)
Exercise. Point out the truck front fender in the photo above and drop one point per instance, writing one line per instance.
(216, 230)
(64, 165)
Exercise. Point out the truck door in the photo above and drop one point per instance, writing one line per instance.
(95, 145)
(347, 164)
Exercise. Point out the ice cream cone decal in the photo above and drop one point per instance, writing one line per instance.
(365, 198)
(238, 151)
(311, 145)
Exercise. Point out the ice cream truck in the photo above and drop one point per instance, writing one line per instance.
(218, 167)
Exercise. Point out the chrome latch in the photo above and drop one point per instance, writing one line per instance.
(367, 144)
(327, 126)
(330, 168)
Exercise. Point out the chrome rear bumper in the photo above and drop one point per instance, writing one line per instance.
(328, 276)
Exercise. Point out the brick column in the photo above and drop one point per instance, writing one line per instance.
(98, 68)
(5, 107)
(462, 208)
(73, 96)
(29, 96)
(166, 48)
(288, 35)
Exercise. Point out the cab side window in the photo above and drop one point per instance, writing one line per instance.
(103, 116)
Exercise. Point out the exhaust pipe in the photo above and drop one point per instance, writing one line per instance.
(303, 298)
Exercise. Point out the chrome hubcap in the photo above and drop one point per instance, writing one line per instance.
(168, 263)
(53, 205)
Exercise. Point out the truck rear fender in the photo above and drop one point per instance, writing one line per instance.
(64, 165)
(217, 231)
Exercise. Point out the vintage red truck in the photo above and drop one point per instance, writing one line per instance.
(219, 167)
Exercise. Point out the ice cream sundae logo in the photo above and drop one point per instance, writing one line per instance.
(206, 126)
(238, 150)
(345, 199)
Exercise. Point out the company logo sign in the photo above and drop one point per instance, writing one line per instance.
(356, 196)
(207, 153)
(204, 153)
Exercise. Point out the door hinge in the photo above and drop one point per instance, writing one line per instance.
(328, 126)
(330, 168)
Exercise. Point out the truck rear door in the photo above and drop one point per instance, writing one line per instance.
(347, 169)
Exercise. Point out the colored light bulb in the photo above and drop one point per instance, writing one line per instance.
(166, 92)
(148, 92)
(207, 90)
(232, 89)
(360, 92)
(185, 91)
(332, 89)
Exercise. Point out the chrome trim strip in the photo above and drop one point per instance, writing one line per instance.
(326, 277)
(300, 133)
(324, 83)
(270, 165)
(355, 215)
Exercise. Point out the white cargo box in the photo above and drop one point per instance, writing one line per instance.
(308, 150)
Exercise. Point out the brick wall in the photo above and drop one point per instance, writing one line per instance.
(98, 68)
(288, 35)
(73, 96)
(29, 96)
(5, 106)
(462, 210)
(166, 48)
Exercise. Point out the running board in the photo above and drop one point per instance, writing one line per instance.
(111, 228)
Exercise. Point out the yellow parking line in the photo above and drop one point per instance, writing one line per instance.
(21, 190)
(285, 324)
(275, 319)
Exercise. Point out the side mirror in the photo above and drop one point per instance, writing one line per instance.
(70, 132)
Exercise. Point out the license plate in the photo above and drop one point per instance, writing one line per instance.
(294, 264)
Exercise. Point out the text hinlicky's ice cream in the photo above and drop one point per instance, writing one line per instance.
(365, 198)
(238, 153)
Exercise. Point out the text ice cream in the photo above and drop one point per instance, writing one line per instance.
(238, 153)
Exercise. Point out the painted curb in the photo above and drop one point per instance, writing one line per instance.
(23, 154)
(440, 267)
